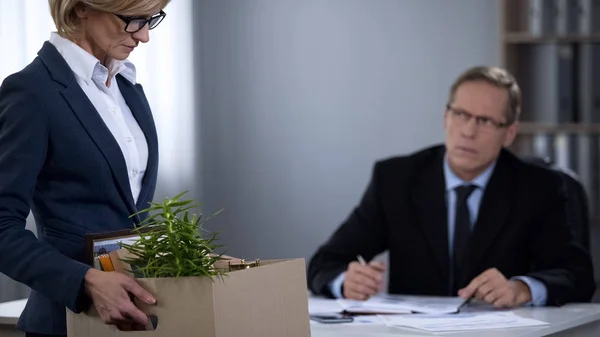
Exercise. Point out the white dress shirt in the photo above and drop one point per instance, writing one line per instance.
(91, 76)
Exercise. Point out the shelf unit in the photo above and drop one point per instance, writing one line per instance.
(552, 47)
(515, 38)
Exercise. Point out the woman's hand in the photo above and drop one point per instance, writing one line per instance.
(110, 293)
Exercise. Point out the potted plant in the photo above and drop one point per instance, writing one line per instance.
(174, 259)
(173, 243)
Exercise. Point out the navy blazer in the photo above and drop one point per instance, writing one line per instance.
(58, 159)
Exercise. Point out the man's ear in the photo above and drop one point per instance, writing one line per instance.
(511, 134)
(445, 120)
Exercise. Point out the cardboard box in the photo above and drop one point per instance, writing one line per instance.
(270, 300)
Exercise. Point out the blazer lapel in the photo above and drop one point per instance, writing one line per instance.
(494, 211)
(135, 99)
(101, 135)
(429, 203)
(90, 119)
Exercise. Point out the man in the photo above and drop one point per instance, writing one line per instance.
(468, 218)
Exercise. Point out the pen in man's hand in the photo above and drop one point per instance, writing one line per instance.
(361, 260)
(464, 304)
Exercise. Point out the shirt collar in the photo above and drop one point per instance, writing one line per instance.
(86, 66)
(453, 181)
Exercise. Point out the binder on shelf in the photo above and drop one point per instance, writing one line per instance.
(594, 185)
(541, 15)
(588, 168)
(588, 72)
(548, 83)
(566, 151)
(588, 68)
(566, 12)
(588, 21)
(543, 145)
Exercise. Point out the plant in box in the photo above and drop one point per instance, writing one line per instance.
(173, 243)
(176, 264)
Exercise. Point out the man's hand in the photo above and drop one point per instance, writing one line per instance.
(362, 282)
(492, 287)
(110, 293)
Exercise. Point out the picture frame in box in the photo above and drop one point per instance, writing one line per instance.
(105, 242)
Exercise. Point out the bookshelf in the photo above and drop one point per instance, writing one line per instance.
(513, 38)
(552, 47)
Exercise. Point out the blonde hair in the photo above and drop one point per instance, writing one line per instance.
(67, 22)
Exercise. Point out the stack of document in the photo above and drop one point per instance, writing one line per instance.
(461, 322)
(428, 313)
(396, 304)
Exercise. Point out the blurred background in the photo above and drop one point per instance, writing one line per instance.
(277, 110)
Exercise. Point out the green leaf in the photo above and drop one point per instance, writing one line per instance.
(173, 243)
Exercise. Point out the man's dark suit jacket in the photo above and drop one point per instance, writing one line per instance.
(522, 230)
(58, 157)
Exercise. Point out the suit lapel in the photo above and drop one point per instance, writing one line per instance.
(429, 202)
(91, 121)
(494, 211)
(134, 97)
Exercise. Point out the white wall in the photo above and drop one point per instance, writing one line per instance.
(299, 98)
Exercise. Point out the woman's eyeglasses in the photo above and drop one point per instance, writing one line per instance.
(135, 24)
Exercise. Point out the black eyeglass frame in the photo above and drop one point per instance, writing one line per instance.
(479, 120)
(128, 19)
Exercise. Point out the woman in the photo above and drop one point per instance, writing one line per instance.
(78, 147)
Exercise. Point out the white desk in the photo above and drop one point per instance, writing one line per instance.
(9, 314)
(571, 320)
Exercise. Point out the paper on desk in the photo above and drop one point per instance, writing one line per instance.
(461, 322)
(400, 304)
(360, 307)
(323, 306)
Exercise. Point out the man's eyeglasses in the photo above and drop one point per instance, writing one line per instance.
(464, 117)
(135, 24)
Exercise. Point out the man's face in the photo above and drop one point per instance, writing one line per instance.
(475, 128)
